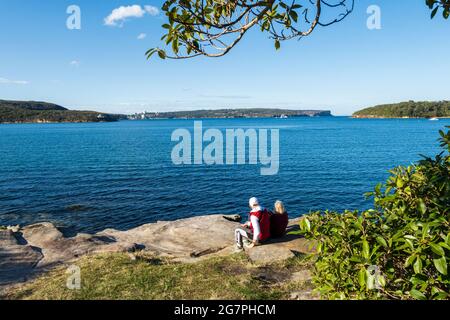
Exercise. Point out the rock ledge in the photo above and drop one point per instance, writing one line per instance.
(27, 251)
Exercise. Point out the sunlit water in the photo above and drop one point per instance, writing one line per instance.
(88, 177)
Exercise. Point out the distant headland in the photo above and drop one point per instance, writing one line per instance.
(409, 109)
(43, 112)
(231, 113)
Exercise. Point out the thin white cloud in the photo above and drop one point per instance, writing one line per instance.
(75, 63)
(142, 36)
(8, 81)
(151, 10)
(119, 15)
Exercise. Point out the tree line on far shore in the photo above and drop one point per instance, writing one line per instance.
(409, 109)
(35, 112)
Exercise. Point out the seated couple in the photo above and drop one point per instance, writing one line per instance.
(262, 225)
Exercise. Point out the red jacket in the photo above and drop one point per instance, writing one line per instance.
(264, 223)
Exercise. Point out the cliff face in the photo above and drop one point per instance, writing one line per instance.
(321, 114)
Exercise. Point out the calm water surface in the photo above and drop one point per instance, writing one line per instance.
(88, 177)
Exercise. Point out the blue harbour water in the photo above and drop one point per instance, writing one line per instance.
(88, 177)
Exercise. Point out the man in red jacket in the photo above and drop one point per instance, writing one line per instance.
(258, 226)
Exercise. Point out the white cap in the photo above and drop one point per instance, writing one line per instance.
(253, 202)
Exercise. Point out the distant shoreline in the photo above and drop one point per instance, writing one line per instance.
(407, 110)
(19, 112)
(248, 118)
(251, 113)
(160, 119)
(56, 122)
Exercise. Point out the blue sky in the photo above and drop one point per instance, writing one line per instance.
(343, 68)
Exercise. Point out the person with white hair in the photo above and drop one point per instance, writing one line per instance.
(279, 220)
(257, 229)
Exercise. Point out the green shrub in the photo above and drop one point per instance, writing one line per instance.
(412, 109)
(400, 249)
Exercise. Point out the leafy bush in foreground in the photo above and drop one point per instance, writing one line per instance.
(400, 249)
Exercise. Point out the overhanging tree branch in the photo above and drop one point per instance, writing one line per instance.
(212, 28)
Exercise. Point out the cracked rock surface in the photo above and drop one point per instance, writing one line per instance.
(24, 252)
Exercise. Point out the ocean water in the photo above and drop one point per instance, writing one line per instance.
(88, 177)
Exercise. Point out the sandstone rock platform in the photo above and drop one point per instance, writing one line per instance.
(27, 251)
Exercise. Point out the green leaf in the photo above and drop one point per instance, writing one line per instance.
(150, 52)
(356, 259)
(437, 249)
(277, 44)
(175, 46)
(416, 294)
(362, 277)
(418, 265)
(442, 296)
(416, 280)
(430, 3)
(441, 265)
(365, 249)
(381, 241)
(410, 260)
(433, 13)
(444, 245)
(421, 206)
(382, 281)
(409, 243)
(293, 15)
(305, 225)
(161, 54)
